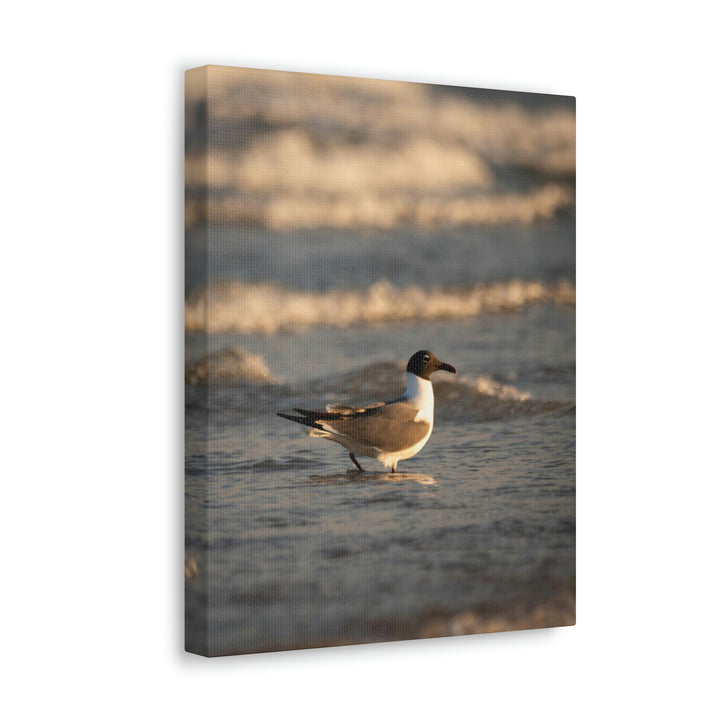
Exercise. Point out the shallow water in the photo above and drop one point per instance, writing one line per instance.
(478, 528)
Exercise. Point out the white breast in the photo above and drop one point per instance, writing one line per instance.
(420, 393)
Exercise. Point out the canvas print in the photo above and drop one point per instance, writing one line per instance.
(379, 361)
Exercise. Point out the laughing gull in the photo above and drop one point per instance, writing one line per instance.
(390, 431)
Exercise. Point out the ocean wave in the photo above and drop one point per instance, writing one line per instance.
(231, 364)
(483, 400)
(298, 151)
(461, 398)
(342, 110)
(251, 308)
(372, 209)
(387, 379)
(290, 162)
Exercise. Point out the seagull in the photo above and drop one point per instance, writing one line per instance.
(388, 431)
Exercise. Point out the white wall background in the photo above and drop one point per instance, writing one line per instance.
(91, 271)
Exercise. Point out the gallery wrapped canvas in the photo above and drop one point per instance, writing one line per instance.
(379, 361)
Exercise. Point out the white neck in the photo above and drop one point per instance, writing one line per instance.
(420, 393)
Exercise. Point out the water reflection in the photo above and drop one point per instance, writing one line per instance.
(397, 477)
(354, 476)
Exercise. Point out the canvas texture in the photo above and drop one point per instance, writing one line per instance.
(342, 235)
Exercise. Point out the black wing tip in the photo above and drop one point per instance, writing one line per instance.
(302, 420)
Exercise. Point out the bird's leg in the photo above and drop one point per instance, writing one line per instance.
(393, 468)
(357, 464)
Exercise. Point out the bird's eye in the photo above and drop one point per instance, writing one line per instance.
(426, 358)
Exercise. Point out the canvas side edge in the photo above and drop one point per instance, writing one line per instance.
(196, 208)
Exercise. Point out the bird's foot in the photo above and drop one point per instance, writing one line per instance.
(357, 464)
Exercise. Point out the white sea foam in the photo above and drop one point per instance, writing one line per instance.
(266, 308)
(231, 364)
(397, 207)
(289, 161)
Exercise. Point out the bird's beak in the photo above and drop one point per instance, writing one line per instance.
(445, 366)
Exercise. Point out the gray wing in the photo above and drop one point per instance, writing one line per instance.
(390, 427)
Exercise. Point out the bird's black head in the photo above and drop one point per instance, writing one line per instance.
(423, 363)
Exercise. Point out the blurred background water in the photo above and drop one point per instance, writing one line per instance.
(346, 224)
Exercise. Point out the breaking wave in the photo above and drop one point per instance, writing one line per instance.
(481, 399)
(231, 364)
(296, 151)
(462, 398)
(385, 210)
(251, 308)
(334, 111)
(386, 380)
